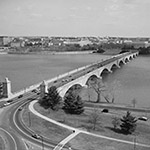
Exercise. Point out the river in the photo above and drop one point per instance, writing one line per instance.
(25, 70)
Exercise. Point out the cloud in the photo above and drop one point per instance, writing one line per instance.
(74, 8)
(88, 8)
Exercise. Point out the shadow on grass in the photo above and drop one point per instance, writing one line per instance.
(117, 130)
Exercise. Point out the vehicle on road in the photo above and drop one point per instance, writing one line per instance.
(20, 108)
(36, 136)
(20, 96)
(34, 91)
(6, 104)
(9, 101)
(143, 118)
(105, 110)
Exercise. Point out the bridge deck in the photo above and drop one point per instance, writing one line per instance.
(70, 77)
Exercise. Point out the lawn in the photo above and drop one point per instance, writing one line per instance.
(44, 128)
(104, 125)
(86, 142)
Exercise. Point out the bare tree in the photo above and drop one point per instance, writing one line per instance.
(94, 118)
(113, 90)
(99, 87)
(116, 122)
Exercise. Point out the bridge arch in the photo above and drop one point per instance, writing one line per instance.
(130, 58)
(90, 79)
(74, 89)
(126, 60)
(104, 72)
(114, 66)
(121, 63)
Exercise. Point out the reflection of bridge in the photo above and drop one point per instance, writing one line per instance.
(79, 77)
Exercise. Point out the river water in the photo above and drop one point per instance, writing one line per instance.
(25, 70)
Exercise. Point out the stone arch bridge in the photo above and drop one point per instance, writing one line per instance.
(80, 78)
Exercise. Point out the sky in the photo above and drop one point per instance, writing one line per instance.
(128, 18)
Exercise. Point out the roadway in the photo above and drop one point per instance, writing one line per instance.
(10, 122)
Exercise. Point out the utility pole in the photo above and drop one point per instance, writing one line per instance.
(135, 142)
(42, 142)
(29, 118)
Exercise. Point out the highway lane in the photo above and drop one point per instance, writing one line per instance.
(6, 135)
(25, 132)
(7, 124)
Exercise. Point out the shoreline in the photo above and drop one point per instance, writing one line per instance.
(52, 52)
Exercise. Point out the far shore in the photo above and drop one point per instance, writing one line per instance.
(53, 52)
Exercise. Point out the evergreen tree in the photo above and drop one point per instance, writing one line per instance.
(52, 99)
(128, 124)
(73, 104)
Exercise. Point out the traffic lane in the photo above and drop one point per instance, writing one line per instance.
(15, 100)
(9, 142)
(5, 124)
(15, 123)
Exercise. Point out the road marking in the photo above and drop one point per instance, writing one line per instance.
(23, 131)
(10, 136)
(66, 140)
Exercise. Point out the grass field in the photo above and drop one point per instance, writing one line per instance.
(103, 127)
(44, 128)
(86, 142)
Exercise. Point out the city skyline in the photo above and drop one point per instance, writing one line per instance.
(129, 18)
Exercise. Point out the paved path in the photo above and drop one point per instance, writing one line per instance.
(77, 131)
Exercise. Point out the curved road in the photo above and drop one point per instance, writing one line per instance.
(10, 124)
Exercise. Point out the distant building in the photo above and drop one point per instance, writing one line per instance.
(17, 43)
(7, 40)
(140, 44)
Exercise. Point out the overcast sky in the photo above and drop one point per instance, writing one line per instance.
(75, 17)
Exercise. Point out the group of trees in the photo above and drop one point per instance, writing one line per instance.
(126, 124)
(72, 103)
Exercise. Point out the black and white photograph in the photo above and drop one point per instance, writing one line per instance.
(74, 74)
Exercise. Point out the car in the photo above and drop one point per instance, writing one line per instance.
(38, 93)
(143, 118)
(105, 110)
(20, 108)
(6, 104)
(34, 91)
(20, 96)
(9, 101)
(36, 136)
